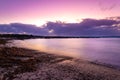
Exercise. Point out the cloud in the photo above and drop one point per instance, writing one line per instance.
(18, 28)
(88, 27)
(106, 6)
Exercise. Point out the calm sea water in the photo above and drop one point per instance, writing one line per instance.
(105, 50)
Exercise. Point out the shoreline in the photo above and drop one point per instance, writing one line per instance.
(22, 64)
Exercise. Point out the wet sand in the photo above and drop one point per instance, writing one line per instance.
(24, 64)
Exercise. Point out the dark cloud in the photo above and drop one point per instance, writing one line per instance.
(88, 27)
(18, 28)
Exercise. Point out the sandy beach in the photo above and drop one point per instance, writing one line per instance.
(24, 64)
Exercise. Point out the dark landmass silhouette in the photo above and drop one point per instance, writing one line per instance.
(25, 36)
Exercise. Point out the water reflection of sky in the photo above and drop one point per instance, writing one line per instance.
(104, 50)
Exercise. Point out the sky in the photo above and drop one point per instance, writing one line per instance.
(39, 12)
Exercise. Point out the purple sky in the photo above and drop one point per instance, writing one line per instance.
(39, 11)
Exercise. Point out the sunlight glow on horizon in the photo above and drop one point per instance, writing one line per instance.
(40, 23)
